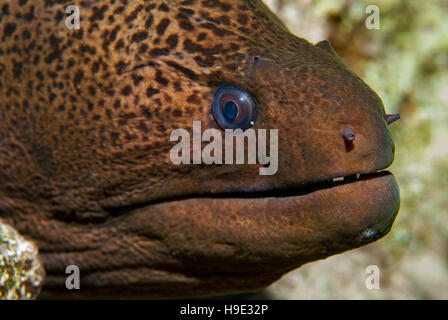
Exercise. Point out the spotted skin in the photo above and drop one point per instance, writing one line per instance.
(85, 120)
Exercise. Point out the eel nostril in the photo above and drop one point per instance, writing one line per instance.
(348, 134)
(392, 117)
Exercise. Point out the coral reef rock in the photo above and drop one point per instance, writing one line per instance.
(21, 272)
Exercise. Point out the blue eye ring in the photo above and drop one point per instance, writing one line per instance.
(233, 108)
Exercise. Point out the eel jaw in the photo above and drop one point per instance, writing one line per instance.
(207, 246)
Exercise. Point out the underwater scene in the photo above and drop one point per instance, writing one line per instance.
(223, 149)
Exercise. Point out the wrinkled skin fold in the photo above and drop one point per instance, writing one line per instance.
(85, 121)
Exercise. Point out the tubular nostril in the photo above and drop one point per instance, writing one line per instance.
(392, 117)
(348, 134)
(349, 137)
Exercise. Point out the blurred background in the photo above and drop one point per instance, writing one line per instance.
(406, 62)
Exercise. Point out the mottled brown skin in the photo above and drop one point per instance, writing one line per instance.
(85, 120)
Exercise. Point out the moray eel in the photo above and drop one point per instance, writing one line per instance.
(85, 122)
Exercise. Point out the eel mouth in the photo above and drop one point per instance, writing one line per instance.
(353, 209)
(271, 231)
(242, 241)
(294, 191)
(300, 190)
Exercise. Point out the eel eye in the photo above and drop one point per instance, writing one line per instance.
(233, 108)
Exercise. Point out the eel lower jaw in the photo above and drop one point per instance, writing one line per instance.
(368, 203)
(303, 224)
(219, 245)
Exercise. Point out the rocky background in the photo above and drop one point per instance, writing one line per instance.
(406, 62)
(21, 272)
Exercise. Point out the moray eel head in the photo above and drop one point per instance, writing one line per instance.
(86, 117)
